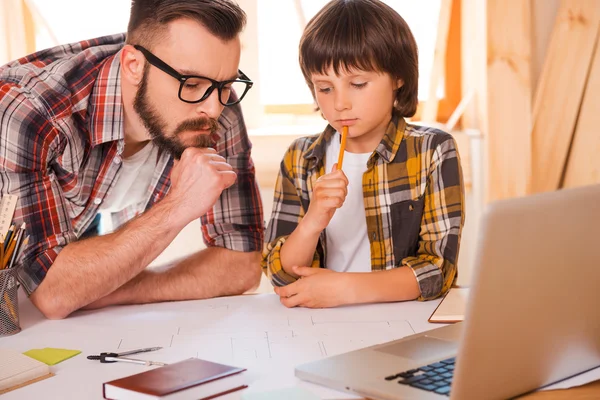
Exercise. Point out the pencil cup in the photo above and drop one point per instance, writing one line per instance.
(9, 304)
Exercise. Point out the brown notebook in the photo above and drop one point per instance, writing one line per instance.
(188, 379)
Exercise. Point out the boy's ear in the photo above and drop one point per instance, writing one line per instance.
(399, 83)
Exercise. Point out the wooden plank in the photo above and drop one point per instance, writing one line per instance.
(560, 90)
(431, 105)
(300, 14)
(509, 98)
(452, 64)
(29, 27)
(583, 166)
(12, 38)
(474, 61)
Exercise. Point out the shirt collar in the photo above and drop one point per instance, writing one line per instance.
(387, 148)
(105, 118)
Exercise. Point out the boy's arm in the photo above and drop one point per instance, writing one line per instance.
(321, 288)
(286, 219)
(434, 265)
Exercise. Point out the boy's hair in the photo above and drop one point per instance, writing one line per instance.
(367, 35)
(149, 18)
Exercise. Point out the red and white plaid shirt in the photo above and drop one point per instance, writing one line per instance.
(61, 136)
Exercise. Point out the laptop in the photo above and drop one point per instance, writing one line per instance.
(532, 318)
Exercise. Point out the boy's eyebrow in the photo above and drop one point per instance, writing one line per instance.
(321, 81)
(364, 74)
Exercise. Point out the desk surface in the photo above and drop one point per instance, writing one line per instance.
(253, 331)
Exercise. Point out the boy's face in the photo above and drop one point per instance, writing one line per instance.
(362, 100)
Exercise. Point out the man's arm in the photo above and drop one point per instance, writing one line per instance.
(209, 273)
(87, 270)
(90, 269)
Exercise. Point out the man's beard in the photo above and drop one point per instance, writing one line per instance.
(157, 127)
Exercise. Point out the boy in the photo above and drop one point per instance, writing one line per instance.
(396, 206)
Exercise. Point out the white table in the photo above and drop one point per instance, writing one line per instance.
(251, 331)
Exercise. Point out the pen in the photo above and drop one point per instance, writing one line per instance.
(147, 349)
(134, 361)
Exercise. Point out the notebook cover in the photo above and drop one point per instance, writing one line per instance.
(446, 320)
(175, 377)
(29, 382)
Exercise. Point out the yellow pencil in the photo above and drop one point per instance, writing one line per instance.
(12, 246)
(342, 147)
(18, 246)
(8, 253)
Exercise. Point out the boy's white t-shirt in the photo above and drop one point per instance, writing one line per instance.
(133, 180)
(348, 247)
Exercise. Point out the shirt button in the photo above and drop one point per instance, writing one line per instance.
(97, 200)
(117, 160)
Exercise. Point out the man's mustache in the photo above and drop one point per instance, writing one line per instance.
(198, 124)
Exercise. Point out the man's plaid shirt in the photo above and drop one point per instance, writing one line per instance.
(61, 136)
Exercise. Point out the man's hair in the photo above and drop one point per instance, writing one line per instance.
(367, 35)
(149, 18)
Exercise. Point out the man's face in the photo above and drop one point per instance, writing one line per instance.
(172, 124)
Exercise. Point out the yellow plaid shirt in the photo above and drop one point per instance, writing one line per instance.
(414, 204)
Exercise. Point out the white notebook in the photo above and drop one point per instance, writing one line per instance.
(18, 370)
(452, 307)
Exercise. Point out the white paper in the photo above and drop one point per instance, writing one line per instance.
(255, 332)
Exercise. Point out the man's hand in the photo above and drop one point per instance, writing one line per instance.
(316, 288)
(329, 194)
(197, 181)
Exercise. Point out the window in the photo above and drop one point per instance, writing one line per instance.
(279, 30)
(271, 43)
(70, 21)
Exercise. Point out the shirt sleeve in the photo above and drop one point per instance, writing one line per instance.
(236, 220)
(285, 217)
(29, 146)
(434, 265)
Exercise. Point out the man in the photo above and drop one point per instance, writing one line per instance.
(124, 126)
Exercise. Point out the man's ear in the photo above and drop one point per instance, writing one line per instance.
(132, 65)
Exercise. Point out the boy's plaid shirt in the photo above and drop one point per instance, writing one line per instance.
(61, 131)
(414, 204)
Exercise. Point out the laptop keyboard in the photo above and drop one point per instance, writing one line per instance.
(436, 377)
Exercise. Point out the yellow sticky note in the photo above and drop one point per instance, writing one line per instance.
(51, 356)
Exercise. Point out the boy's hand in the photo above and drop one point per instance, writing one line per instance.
(329, 194)
(317, 288)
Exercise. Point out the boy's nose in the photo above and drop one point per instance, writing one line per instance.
(342, 102)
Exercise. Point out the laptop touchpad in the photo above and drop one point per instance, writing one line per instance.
(420, 348)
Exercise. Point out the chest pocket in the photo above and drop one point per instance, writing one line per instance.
(406, 224)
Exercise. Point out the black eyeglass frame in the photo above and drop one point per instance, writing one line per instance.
(166, 68)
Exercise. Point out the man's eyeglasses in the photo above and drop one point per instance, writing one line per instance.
(194, 89)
